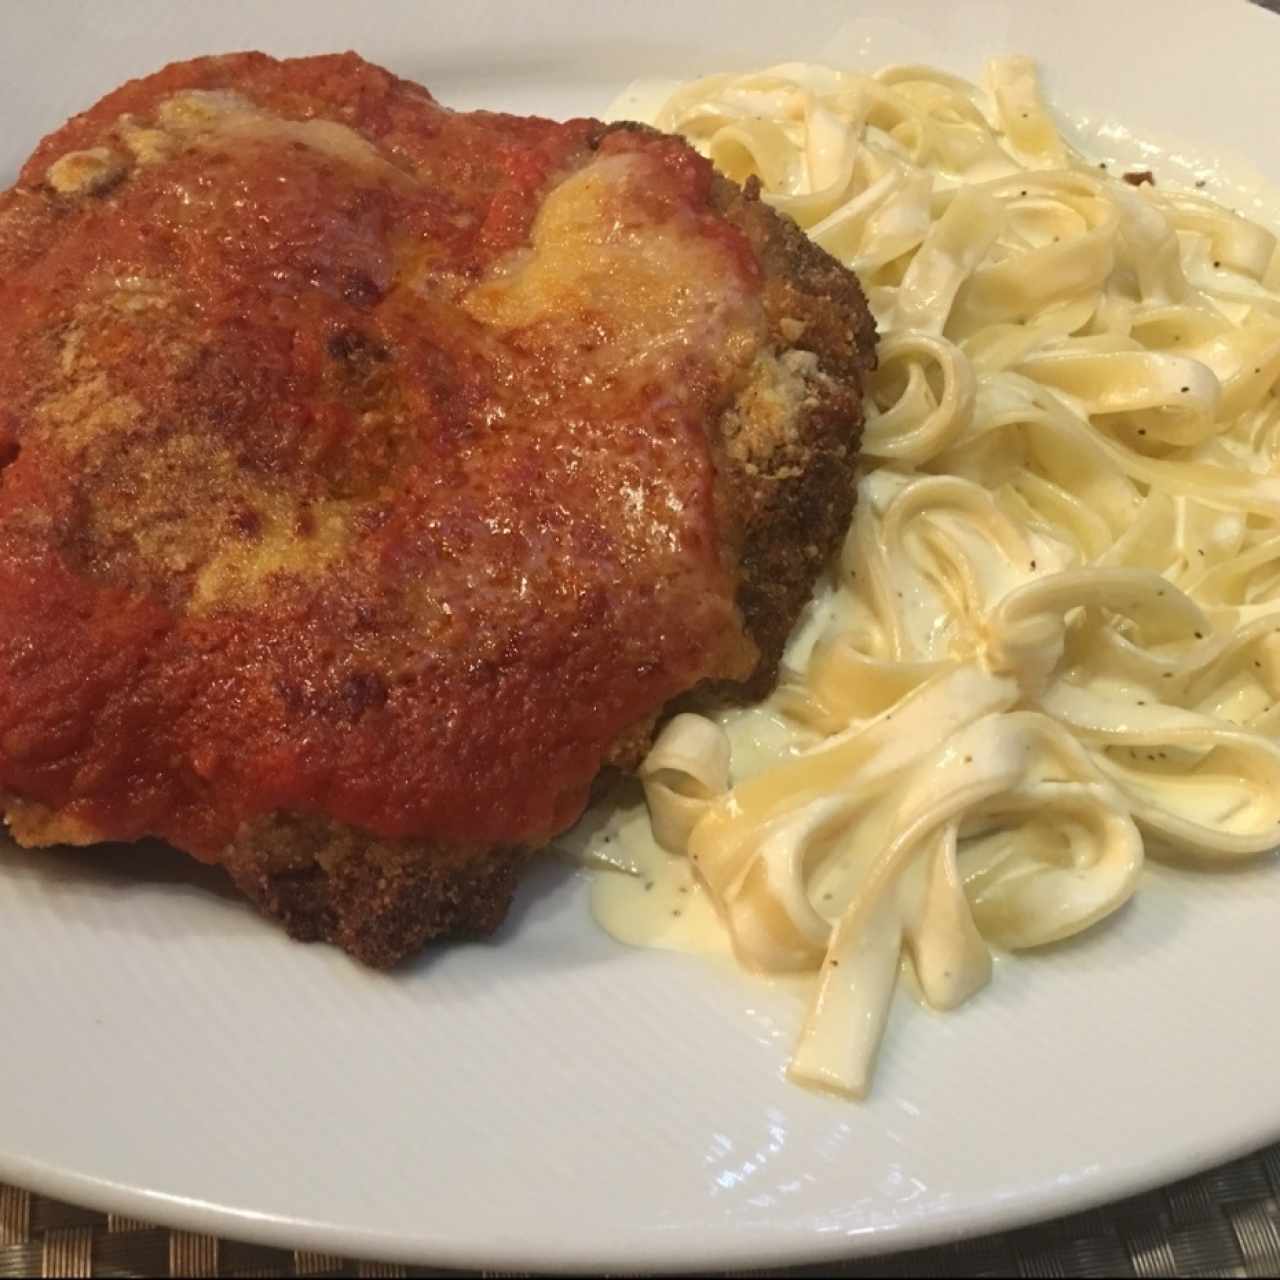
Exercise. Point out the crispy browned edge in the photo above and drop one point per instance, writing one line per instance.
(785, 493)
(794, 488)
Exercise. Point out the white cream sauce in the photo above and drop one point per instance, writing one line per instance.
(646, 896)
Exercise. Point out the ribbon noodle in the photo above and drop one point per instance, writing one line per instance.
(1052, 634)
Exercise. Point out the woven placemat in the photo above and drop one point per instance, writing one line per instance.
(1222, 1223)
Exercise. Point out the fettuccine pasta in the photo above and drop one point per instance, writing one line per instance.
(1052, 639)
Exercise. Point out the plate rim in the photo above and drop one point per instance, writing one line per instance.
(178, 1213)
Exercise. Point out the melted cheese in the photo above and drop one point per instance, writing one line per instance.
(241, 573)
(596, 257)
(85, 172)
(207, 118)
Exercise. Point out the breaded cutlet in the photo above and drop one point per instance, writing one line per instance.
(372, 475)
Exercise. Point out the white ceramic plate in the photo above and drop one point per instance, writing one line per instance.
(552, 1099)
